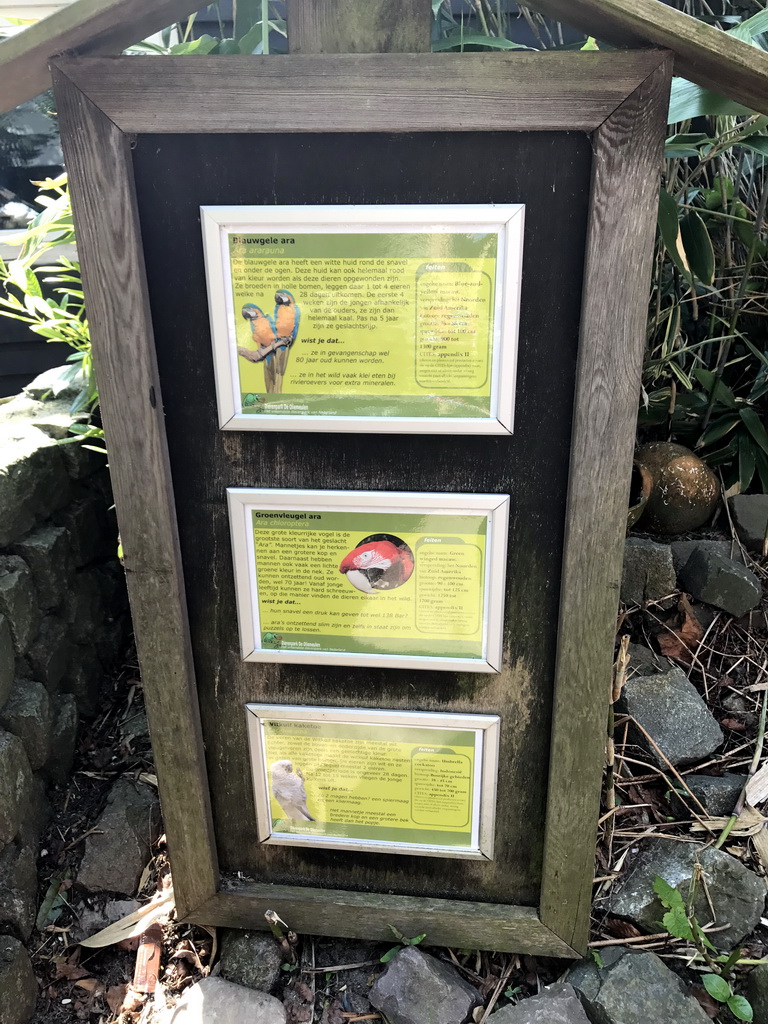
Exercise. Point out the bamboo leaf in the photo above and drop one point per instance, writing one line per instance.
(688, 101)
(698, 247)
(754, 425)
(669, 229)
(719, 428)
(747, 461)
(715, 385)
(460, 40)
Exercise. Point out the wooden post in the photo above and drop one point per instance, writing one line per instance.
(352, 26)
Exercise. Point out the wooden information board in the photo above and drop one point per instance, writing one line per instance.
(575, 139)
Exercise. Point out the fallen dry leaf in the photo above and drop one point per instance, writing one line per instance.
(760, 843)
(748, 823)
(621, 929)
(757, 787)
(134, 924)
(705, 1001)
(733, 724)
(115, 997)
(684, 634)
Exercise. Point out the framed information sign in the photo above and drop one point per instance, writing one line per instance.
(370, 578)
(378, 781)
(365, 318)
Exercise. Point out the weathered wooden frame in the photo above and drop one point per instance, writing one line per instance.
(620, 99)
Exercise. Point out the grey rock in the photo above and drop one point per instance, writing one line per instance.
(750, 517)
(683, 549)
(757, 992)
(670, 710)
(48, 554)
(736, 894)
(136, 730)
(130, 823)
(18, 601)
(83, 608)
(648, 573)
(84, 679)
(557, 1004)
(721, 582)
(63, 738)
(7, 660)
(416, 988)
(63, 382)
(85, 521)
(18, 889)
(215, 1001)
(28, 715)
(252, 959)
(633, 988)
(81, 462)
(644, 662)
(18, 988)
(49, 656)
(716, 793)
(112, 638)
(37, 811)
(33, 480)
(91, 920)
(15, 783)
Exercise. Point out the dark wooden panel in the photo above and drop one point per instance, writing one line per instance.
(364, 92)
(551, 174)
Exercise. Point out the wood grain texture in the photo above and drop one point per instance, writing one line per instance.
(368, 916)
(348, 26)
(551, 174)
(98, 158)
(363, 92)
(627, 166)
(702, 53)
(87, 26)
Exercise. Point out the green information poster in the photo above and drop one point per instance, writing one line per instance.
(370, 582)
(413, 781)
(364, 324)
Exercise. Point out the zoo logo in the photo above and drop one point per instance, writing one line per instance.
(272, 640)
(250, 399)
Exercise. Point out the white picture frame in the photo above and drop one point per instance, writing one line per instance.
(476, 647)
(372, 726)
(276, 222)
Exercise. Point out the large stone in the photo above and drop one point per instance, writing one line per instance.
(80, 461)
(63, 739)
(15, 783)
(7, 660)
(83, 679)
(91, 920)
(633, 988)
(64, 382)
(648, 573)
(645, 662)
(85, 521)
(33, 480)
(83, 606)
(37, 811)
(670, 710)
(683, 549)
(750, 517)
(28, 715)
(252, 959)
(416, 988)
(18, 988)
(557, 1004)
(721, 582)
(48, 554)
(757, 992)
(716, 793)
(736, 895)
(215, 1001)
(18, 889)
(115, 858)
(49, 656)
(18, 601)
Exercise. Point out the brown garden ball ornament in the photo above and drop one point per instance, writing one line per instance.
(683, 490)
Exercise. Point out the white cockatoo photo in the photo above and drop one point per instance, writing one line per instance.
(289, 791)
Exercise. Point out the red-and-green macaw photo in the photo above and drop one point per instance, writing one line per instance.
(274, 335)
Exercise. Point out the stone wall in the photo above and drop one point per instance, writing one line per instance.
(63, 625)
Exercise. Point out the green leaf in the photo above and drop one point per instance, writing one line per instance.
(668, 895)
(762, 469)
(747, 462)
(205, 44)
(749, 28)
(246, 13)
(669, 229)
(757, 143)
(754, 425)
(252, 40)
(677, 924)
(741, 1008)
(719, 428)
(389, 954)
(715, 384)
(717, 987)
(227, 47)
(417, 939)
(698, 247)
(686, 145)
(689, 100)
(459, 40)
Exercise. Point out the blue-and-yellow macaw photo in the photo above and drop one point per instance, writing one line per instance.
(274, 336)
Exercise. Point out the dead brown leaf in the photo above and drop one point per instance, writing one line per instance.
(115, 997)
(683, 634)
(733, 724)
(621, 929)
(705, 1001)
